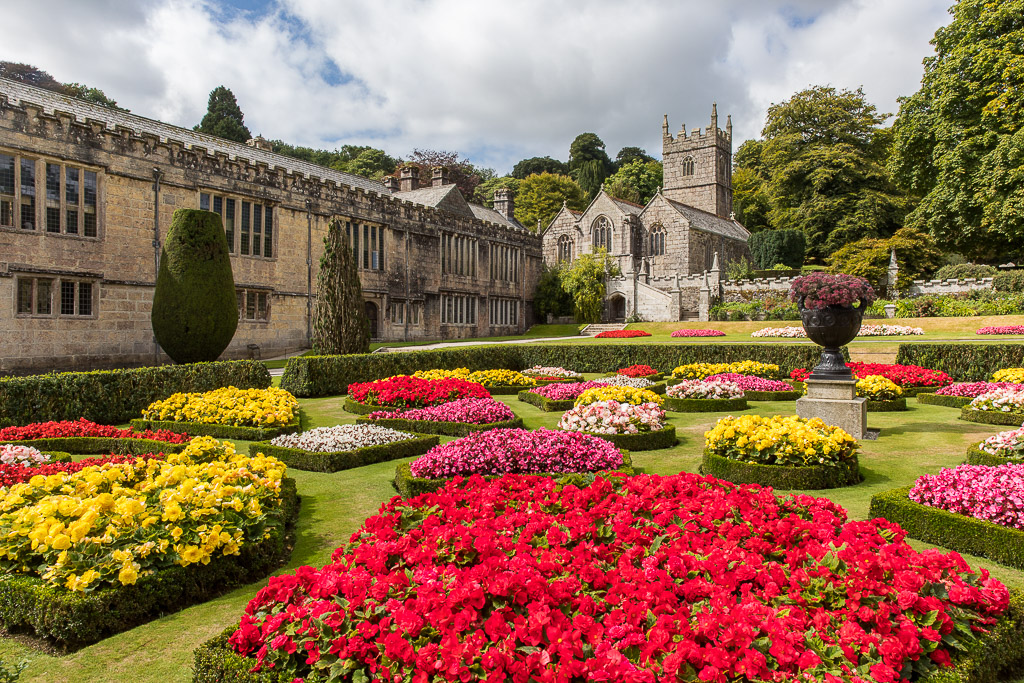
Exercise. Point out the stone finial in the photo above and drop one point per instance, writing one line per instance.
(260, 142)
(706, 284)
(728, 126)
(664, 126)
(714, 264)
(658, 191)
(682, 131)
(714, 116)
(732, 215)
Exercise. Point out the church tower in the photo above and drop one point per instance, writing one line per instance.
(698, 166)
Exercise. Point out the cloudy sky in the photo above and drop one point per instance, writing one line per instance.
(496, 81)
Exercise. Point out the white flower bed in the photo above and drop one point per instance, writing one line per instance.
(623, 381)
(13, 454)
(865, 331)
(341, 438)
(542, 371)
(1000, 401)
(700, 388)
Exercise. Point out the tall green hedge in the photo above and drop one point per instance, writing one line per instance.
(772, 247)
(330, 375)
(963, 362)
(116, 396)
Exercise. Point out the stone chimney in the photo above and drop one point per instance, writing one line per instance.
(504, 203)
(410, 179)
(439, 176)
(390, 182)
(260, 142)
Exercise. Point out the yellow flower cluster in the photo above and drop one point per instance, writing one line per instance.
(745, 367)
(780, 440)
(878, 388)
(622, 394)
(1014, 375)
(109, 524)
(488, 378)
(228, 406)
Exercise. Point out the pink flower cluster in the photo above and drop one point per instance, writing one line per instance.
(518, 451)
(612, 417)
(566, 391)
(1006, 444)
(697, 333)
(994, 494)
(703, 388)
(1000, 401)
(473, 410)
(751, 383)
(1002, 329)
(975, 389)
(15, 454)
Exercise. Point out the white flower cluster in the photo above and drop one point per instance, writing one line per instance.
(865, 331)
(13, 454)
(700, 388)
(543, 371)
(623, 381)
(1000, 401)
(341, 438)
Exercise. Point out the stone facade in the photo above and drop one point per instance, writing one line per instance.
(672, 247)
(99, 188)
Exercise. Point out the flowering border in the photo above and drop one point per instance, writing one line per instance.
(890, 406)
(976, 456)
(408, 486)
(642, 441)
(548, 405)
(705, 405)
(961, 533)
(335, 461)
(816, 477)
(439, 427)
(990, 417)
(75, 619)
(105, 445)
(219, 431)
(931, 398)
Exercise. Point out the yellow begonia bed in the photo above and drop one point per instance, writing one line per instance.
(780, 440)
(228, 406)
(488, 378)
(621, 394)
(745, 367)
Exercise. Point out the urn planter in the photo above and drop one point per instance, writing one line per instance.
(832, 327)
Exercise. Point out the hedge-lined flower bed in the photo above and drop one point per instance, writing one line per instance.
(620, 579)
(704, 396)
(1008, 444)
(960, 394)
(621, 334)
(623, 381)
(404, 391)
(620, 394)
(906, 376)
(495, 380)
(18, 454)
(746, 367)
(113, 534)
(84, 437)
(1011, 375)
(786, 440)
(1001, 329)
(342, 447)
(20, 473)
(793, 332)
(697, 333)
(883, 395)
(556, 397)
(1000, 401)
(457, 418)
(758, 388)
(266, 408)
(993, 494)
(632, 427)
(552, 371)
(645, 371)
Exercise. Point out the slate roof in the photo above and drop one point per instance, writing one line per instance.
(428, 196)
(709, 222)
(485, 214)
(18, 92)
(627, 207)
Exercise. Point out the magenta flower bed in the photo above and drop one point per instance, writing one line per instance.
(994, 494)
(1002, 329)
(975, 389)
(751, 383)
(478, 411)
(518, 451)
(566, 391)
(698, 333)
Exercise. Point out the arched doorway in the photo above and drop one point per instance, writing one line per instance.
(371, 315)
(618, 308)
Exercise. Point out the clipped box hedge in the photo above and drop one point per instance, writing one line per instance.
(643, 441)
(215, 662)
(976, 456)
(335, 461)
(72, 620)
(434, 427)
(408, 486)
(546, 404)
(781, 476)
(116, 396)
(991, 417)
(218, 431)
(705, 405)
(889, 406)
(100, 445)
(772, 395)
(308, 376)
(963, 534)
(933, 399)
(357, 408)
(963, 362)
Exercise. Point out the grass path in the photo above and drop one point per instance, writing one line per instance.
(921, 440)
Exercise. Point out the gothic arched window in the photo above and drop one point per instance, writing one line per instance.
(657, 241)
(602, 232)
(565, 248)
(688, 166)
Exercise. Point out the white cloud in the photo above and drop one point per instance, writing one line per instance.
(496, 81)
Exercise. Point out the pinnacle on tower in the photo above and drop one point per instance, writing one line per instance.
(664, 126)
(714, 117)
(728, 125)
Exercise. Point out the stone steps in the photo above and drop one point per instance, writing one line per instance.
(597, 328)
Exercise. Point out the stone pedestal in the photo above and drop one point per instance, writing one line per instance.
(836, 403)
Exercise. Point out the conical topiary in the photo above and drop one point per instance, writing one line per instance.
(194, 307)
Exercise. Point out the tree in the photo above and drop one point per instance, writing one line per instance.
(584, 280)
(195, 313)
(771, 247)
(959, 140)
(636, 181)
(224, 117)
(916, 257)
(550, 297)
(541, 197)
(484, 192)
(26, 73)
(750, 199)
(533, 165)
(340, 325)
(588, 147)
(94, 95)
(460, 171)
(628, 155)
(368, 162)
(372, 163)
(590, 176)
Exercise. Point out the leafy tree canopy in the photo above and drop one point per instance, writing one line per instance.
(959, 140)
(26, 73)
(916, 257)
(368, 162)
(588, 147)
(628, 155)
(541, 196)
(550, 297)
(460, 171)
(635, 181)
(584, 281)
(224, 117)
(528, 167)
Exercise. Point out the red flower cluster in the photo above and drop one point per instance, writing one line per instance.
(903, 375)
(82, 427)
(621, 334)
(404, 391)
(17, 474)
(636, 579)
(637, 371)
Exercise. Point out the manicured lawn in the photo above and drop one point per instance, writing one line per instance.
(921, 440)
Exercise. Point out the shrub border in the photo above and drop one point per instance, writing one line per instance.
(990, 417)
(889, 406)
(705, 405)
(961, 533)
(772, 395)
(546, 404)
(976, 456)
(643, 441)
(335, 461)
(101, 445)
(409, 486)
(931, 398)
(814, 477)
(73, 620)
(218, 431)
(213, 661)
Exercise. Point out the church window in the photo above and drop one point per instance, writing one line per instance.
(68, 196)
(658, 241)
(688, 166)
(602, 232)
(565, 249)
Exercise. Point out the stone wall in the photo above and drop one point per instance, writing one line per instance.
(923, 287)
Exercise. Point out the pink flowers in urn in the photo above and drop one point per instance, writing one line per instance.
(994, 494)
(612, 417)
(471, 410)
(752, 383)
